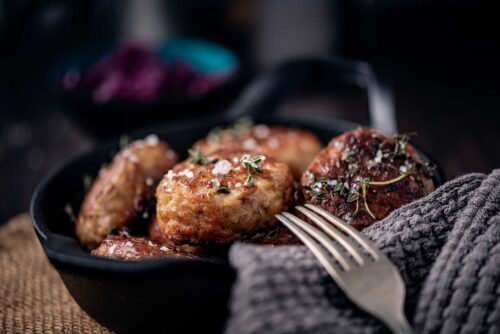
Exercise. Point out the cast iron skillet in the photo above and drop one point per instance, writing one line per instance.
(177, 295)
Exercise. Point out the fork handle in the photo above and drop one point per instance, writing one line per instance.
(399, 324)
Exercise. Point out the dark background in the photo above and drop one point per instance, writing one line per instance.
(442, 57)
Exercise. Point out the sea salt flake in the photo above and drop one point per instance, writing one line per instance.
(214, 183)
(274, 143)
(249, 144)
(187, 173)
(378, 157)
(222, 167)
(261, 131)
(151, 140)
(131, 157)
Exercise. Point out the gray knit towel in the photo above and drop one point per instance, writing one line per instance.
(446, 246)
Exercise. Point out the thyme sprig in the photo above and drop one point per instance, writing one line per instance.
(319, 196)
(364, 184)
(354, 188)
(252, 165)
(401, 142)
(387, 182)
(351, 193)
(270, 234)
(198, 158)
(348, 156)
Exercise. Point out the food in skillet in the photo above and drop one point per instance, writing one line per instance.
(294, 147)
(222, 197)
(231, 195)
(363, 175)
(123, 190)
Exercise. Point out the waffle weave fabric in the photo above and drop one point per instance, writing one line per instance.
(446, 246)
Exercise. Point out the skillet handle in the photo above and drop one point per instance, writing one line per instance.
(265, 94)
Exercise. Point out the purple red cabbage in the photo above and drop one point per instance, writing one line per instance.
(134, 73)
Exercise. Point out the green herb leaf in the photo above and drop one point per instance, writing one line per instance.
(252, 166)
(339, 186)
(348, 156)
(269, 235)
(199, 159)
(353, 196)
(319, 196)
(249, 180)
(252, 163)
(344, 191)
(213, 135)
(353, 170)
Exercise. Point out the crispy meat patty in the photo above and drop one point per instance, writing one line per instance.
(294, 147)
(363, 175)
(122, 189)
(220, 198)
(134, 249)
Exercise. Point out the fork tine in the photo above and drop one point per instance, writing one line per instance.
(334, 233)
(322, 238)
(315, 248)
(347, 229)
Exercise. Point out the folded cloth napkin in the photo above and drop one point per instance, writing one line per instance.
(446, 246)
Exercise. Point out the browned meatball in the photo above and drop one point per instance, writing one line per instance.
(294, 147)
(153, 155)
(134, 249)
(122, 189)
(220, 198)
(363, 175)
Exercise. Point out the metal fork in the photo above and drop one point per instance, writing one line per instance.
(365, 275)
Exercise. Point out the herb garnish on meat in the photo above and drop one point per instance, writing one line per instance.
(270, 234)
(354, 187)
(252, 165)
(199, 159)
(217, 187)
